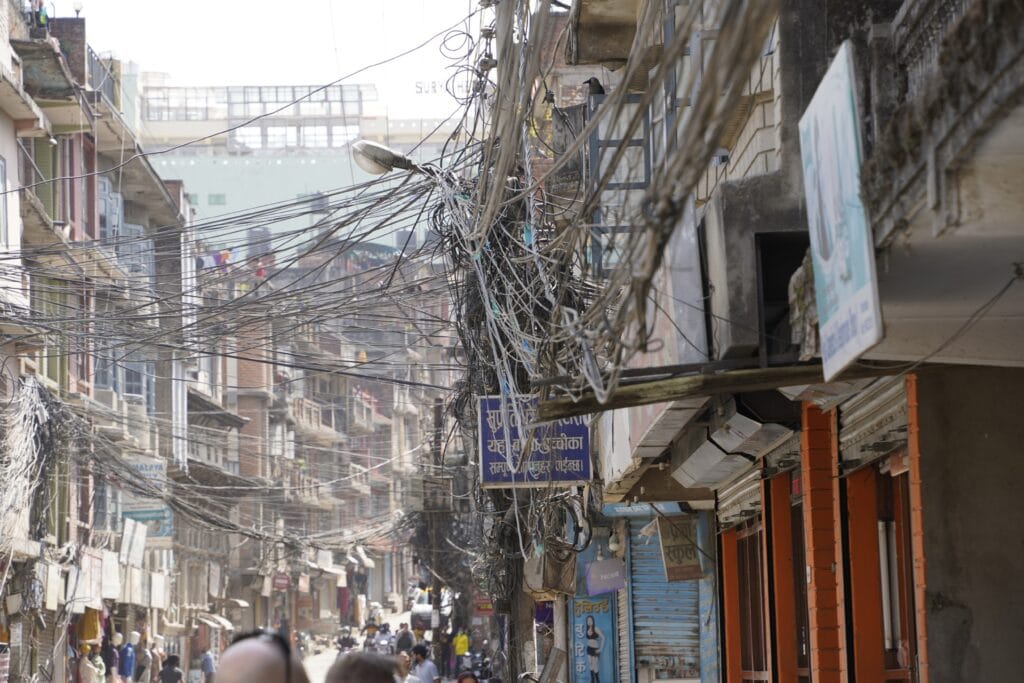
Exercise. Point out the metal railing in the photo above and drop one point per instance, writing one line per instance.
(101, 78)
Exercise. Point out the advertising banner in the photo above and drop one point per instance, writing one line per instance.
(515, 452)
(842, 249)
(592, 622)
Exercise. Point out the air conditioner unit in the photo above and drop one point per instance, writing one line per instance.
(732, 444)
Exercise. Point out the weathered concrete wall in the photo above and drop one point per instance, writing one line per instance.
(971, 472)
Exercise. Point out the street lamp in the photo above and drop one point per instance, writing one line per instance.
(376, 159)
(78, 8)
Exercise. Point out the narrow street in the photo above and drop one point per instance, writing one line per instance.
(318, 665)
(581, 341)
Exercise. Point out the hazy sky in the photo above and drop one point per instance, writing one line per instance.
(220, 42)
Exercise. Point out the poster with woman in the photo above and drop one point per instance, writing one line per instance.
(593, 624)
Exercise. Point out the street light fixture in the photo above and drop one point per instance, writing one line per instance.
(376, 159)
(78, 8)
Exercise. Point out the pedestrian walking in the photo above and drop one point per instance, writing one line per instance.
(425, 671)
(444, 654)
(461, 647)
(208, 665)
(170, 672)
(404, 640)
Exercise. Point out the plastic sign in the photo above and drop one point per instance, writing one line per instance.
(679, 548)
(842, 249)
(517, 452)
(606, 576)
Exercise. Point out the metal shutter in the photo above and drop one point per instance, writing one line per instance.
(44, 645)
(873, 423)
(740, 499)
(666, 616)
(624, 644)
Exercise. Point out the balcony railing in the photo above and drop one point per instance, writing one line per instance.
(101, 78)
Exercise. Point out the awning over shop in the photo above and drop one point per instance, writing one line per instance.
(172, 628)
(208, 620)
(326, 569)
(215, 621)
(235, 602)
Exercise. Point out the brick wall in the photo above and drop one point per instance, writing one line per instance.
(70, 31)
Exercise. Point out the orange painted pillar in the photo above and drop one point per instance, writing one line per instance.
(731, 607)
(820, 534)
(865, 575)
(783, 631)
(917, 527)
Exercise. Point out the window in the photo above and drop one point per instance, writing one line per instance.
(314, 136)
(342, 135)
(216, 199)
(282, 136)
(135, 378)
(250, 136)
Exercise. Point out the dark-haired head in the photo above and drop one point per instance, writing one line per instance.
(363, 667)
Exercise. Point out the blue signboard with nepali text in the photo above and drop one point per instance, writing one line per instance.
(517, 452)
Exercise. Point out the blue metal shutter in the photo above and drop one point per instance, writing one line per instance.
(666, 615)
(624, 644)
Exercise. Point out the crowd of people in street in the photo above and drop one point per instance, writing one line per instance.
(265, 656)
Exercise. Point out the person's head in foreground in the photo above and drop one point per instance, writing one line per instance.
(467, 677)
(419, 653)
(260, 657)
(363, 667)
(404, 664)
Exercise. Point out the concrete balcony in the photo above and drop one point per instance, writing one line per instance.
(360, 416)
(314, 421)
(29, 119)
(352, 480)
(939, 184)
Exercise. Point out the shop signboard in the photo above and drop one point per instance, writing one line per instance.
(592, 623)
(679, 552)
(482, 606)
(282, 582)
(516, 452)
(842, 248)
(152, 512)
(606, 576)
